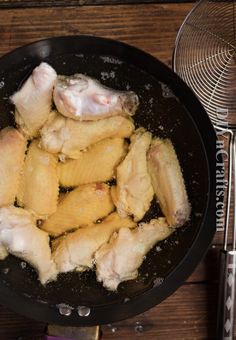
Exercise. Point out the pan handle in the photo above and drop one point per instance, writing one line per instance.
(72, 333)
(48, 337)
(226, 301)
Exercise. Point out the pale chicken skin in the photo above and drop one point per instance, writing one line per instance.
(97, 164)
(12, 153)
(69, 137)
(168, 182)
(80, 207)
(119, 260)
(39, 182)
(76, 250)
(34, 99)
(19, 236)
(82, 98)
(133, 193)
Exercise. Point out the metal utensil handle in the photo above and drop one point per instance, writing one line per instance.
(226, 300)
(225, 322)
(81, 333)
(47, 337)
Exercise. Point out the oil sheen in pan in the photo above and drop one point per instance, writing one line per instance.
(161, 113)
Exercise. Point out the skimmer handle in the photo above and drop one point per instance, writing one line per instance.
(226, 301)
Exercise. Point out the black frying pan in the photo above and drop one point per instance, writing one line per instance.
(168, 108)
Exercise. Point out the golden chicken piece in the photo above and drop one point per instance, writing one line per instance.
(33, 101)
(12, 153)
(69, 137)
(168, 182)
(61, 196)
(76, 250)
(39, 182)
(19, 236)
(96, 164)
(133, 193)
(80, 207)
(119, 260)
(3, 252)
(82, 98)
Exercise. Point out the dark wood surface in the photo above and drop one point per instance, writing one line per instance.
(43, 3)
(190, 313)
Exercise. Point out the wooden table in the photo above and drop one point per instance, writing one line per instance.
(190, 313)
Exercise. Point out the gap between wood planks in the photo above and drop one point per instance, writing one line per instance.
(7, 4)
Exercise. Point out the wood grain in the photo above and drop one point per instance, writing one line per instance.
(143, 26)
(64, 3)
(208, 269)
(194, 318)
(13, 326)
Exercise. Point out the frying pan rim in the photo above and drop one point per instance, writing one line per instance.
(148, 299)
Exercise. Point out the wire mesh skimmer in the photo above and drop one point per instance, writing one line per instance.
(205, 58)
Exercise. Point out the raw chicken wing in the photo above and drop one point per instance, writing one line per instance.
(33, 101)
(168, 182)
(12, 153)
(133, 193)
(20, 237)
(69, 137)
(76, 250)
(39, 182)
(82, 98)
(96, 164)
(120, 259)
(80, 207)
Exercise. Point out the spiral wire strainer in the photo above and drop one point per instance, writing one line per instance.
(205, 58)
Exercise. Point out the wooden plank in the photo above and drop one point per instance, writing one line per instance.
(143, 26)
(208, 269)
(190, 313)
(219, 238)
(179, 317)
(14, 326)
(66, 3)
